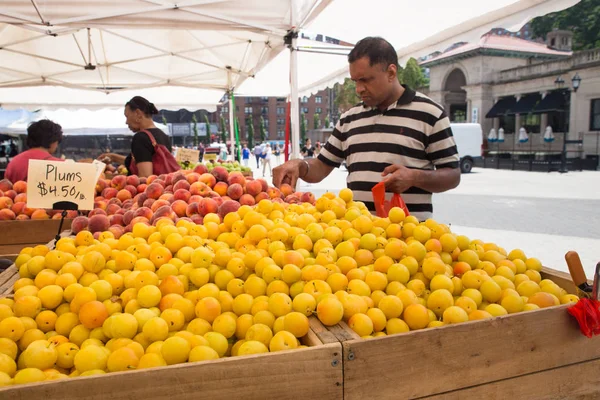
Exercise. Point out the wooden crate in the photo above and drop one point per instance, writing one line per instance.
(539, 354)
(314, 372)
(15, 235)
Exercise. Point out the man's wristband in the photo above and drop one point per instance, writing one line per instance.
(307, 168)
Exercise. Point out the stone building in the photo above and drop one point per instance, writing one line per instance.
(510, 83)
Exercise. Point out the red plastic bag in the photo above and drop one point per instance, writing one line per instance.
(382, 206)
(163, 161)
(587, 314)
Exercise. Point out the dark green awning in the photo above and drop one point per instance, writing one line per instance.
(526, 104)
(554, 101)
(501, 107)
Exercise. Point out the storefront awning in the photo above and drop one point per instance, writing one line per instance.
(526, 104)
(554, 101)
(501, 107)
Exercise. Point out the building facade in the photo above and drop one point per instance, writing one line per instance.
(273, 111)
(510, 83)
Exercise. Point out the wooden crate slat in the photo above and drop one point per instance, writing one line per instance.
(7, 274)
(577, 381)
(26, 232)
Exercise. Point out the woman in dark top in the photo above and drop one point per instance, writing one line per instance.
(138, 114)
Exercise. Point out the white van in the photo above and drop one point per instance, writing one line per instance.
(469, 140)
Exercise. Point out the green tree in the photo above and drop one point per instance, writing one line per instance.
(250, 128)
(316, 121)
(302, 127)
(345, 95)
(207, 122)
(412, 75)
(327, 121)
(223, 130)
(583, 19)
(263, 131)
(195, 129)
(164, 120)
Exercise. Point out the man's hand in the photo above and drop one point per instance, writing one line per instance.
(398, 178)
(289, 172)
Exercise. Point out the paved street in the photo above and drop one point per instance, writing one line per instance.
(545, 214)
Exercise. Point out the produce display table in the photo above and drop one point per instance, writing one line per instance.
(539, 354)
(15, 235)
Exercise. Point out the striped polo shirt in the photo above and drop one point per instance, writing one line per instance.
(414, 132)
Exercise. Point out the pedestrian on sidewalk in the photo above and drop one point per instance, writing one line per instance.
(267, 159)
(245, 155)
(257, 153)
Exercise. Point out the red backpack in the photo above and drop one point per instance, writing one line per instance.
(163, 161)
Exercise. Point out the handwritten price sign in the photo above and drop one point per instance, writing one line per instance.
(52, 182)
(189, 155)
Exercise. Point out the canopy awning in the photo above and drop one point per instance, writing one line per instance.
(554, 101)
(501, 107)
(526, 104)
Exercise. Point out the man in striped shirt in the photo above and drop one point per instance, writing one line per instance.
(395, 134)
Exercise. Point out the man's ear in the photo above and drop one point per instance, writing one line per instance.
(392, 72)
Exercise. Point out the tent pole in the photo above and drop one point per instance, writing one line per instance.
(232, 122)
(295, 106)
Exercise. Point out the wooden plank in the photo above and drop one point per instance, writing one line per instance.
(39, 231)
(577, 381)
(438, 360)
(305, 373)
(13, 250)
(6, 277)
(321, 331)
(562, 279)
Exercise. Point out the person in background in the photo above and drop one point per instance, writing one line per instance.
(138, 114)
(43, 138)
(308, 151)
(266, 157)
(317, 148)
(277, 152)
(3, 154)
(13, 150)
(257, 153)
(245, 155)
(396, 136)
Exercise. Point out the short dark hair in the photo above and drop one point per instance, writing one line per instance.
(43, 133)
(377, 49)
(140, 103)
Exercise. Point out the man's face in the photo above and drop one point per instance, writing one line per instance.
(374, 83)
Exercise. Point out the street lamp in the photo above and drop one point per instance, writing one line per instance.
(560, 83)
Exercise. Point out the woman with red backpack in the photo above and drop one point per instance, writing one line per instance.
(150, 147)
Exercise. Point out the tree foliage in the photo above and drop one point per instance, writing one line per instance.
(195, 129)
(207, 122)
(327, 121)
(412, 75)
(263, 131)
(302, 127)
(316, 121)
(250, 128)
(345, 95)
(583, 19)
(223, 130)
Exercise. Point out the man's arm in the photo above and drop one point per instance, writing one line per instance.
(398, 179)
(312, 171)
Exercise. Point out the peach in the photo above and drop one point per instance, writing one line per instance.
(219, 200)
(5, 185)
(168, 197)
(149, 179)
(11, 194)
(159, 203)
(253, 187)
(208, 179)
(225, 198)
(181, 184)
(124, 194)
(278, 200)
(274, 193)
(235, 191)
(142, 198)
(182, 194)
(141, 188)
(192, 209)
(6, 202)
(179, 207)
(98, 223)
(21, 197)
(221, 188)
(21, 217)
(236, 177)
(20, 187)
(261, 196)
(220, 173)
(56, 216)
(176, 177)
(72, 214)
(199, 188)
(292, 199)
(160, 182)
(227, 207)
(197, 219)
(307, 197)
(163, 212)
(132, 180)
(265, 185)
(97, 211)
(212, 194)
(192, 177)
(1, 193)
(114, 200)
(154, 190)
(101, 204)
(19, 208)
(109, 193)
(200, 169)
(139, 220)
(116, 219)
(143, 212)
(127, 204)
(111, 209)
(132, 190)
(247, 200)
(116, 230)
(148, 203)
(195, 199)
(286, 189)
(208, 206)
(119, 182)
(128, 216)
(40, 214)
(7, 214)
(169, 189)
